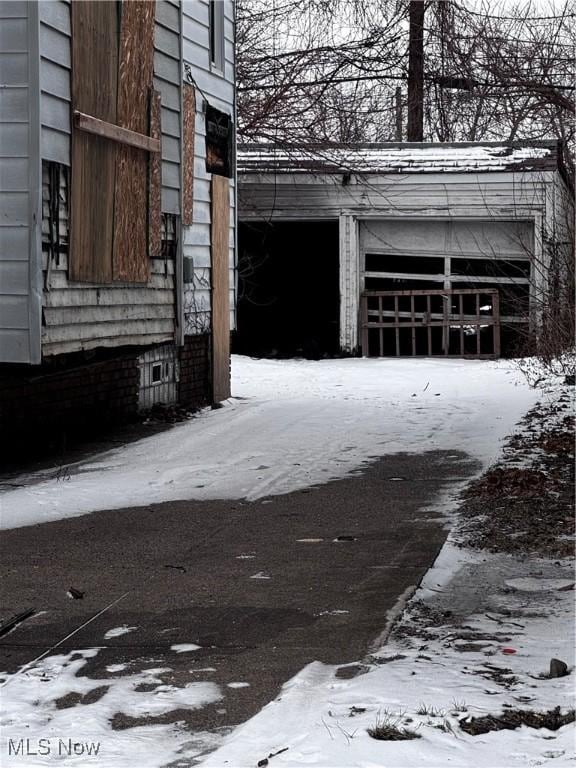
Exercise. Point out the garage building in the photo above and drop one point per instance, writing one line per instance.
(400, 249)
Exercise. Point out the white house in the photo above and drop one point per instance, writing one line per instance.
(117, 194)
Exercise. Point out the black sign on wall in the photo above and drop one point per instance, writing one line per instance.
(219, 142)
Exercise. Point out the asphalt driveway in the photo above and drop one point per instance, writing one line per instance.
(263, 587)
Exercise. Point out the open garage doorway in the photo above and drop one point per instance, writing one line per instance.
(288, 289)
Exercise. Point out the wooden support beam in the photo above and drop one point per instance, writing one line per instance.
(90, 124)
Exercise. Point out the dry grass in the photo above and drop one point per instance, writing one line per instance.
(388, 728)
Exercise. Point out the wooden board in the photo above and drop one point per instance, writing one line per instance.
(220, 232)
(115, 132)
(94, 91)
(135, 72)
(155, 180)
(189, 130)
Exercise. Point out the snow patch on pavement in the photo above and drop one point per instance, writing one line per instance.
(428, 682)
(184, 647)
(30, 711)
(119, 631)
(291, 424)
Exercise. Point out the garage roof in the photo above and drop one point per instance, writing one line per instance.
(401, 158)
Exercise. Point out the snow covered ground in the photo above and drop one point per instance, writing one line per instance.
(427, 680)
(34, 731)
(290, 424)
(475, 641)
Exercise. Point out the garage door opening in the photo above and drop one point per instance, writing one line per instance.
(432, 287)
(288, 289)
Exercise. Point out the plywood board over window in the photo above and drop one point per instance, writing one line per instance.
(220, 229)
(189, 131)
(135, 72)
(155, 180)
(94, 91)
(116, 165)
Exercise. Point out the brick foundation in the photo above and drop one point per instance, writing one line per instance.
(195, 388)
(68, 398)
(42, 407)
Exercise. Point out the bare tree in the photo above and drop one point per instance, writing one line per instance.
(506, 69)
(320, 71)
(316, 71)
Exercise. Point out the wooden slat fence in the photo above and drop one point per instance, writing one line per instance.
(451, 323)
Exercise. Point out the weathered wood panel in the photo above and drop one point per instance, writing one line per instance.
(61, 316)
(118, 335)
(94, 91)
(135, 73)
(155, 180)
(220, 288)
(92, 335)
(189, 122)
(431, 194)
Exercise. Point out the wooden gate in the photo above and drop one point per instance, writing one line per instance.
(451, 323)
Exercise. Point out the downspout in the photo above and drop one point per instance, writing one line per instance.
(34, 188)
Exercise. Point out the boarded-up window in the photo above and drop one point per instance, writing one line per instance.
(94, 91)
(189, 132)
(219, 142)
(116, 133)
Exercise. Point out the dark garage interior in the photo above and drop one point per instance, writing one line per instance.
(288, 289)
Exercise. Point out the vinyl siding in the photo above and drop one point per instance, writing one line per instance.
(55, 80)
(84, 316)
(19, 171)
(218, 89)
(167, 80)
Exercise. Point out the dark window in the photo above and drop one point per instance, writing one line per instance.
(168, 234)
(400, 284)
(216, 32)
(414, 265)
(219, 142)
(490, 267)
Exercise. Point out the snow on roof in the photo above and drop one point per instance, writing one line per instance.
(399, 158)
